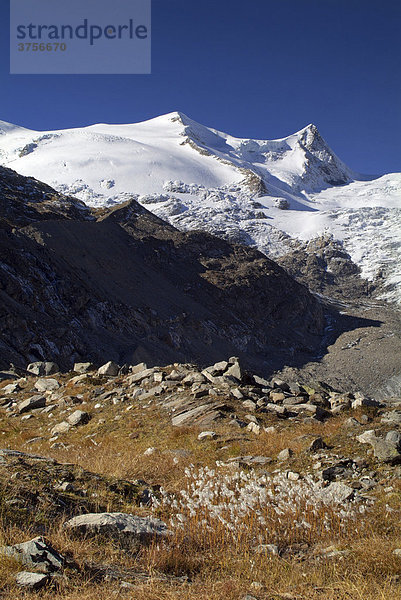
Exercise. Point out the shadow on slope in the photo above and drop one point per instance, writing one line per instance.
(129, 287)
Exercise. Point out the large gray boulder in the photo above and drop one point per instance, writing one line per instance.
(109, 369)
(126, 529)
(31, 403)
(36, 553)
(47, 385)
(43, 368)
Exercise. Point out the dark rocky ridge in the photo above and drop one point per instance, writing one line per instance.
(122, 284)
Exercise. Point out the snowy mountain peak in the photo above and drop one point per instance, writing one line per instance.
(198, 177)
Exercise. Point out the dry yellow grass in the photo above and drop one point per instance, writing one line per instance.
(218, 565)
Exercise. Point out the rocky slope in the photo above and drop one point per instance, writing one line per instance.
(85, 453)
(123, 284)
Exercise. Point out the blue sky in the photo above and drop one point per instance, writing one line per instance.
(261, 68)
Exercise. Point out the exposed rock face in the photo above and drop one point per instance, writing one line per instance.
(325, 266)
(129, 287)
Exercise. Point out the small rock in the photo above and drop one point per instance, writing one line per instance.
(367, 436)
(79, 417)
(338, 492)
(204, 435)
(253, 428)
(83, 367)
(32, 581)
(256, 585)
(62, 427)
(66, 486)
(392, 417)
(394, 437)
(138, 368)
(293, 476)
(249, 404)
(397, 552)
(267, 549)
(317, 444)
(332, 552)
(270, 429)
(11, 388)
(284, 454)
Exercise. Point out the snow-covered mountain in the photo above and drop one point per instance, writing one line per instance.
(268, 193)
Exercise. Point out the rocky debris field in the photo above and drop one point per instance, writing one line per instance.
(105, 473)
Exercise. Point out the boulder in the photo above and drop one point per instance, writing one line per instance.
(337, 493)
(261, 382)
(253, 428)
(367, 437)
(125, 528)
(84, 367)
(43, 368)
(317, 444)
(191, 378)
(386, 451)
(392, 417)
(277, 396)
(62, 427)
(36, 553)
(109, 369)
(394, 437)
(138, 368)
(234, 369)
(31, 403)
(137, 377)
(284, 454)
(363, 401)
(249, 404)
(11, 388)
(78, 417)
(47, 385)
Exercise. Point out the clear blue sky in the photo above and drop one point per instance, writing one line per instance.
(255, 68)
